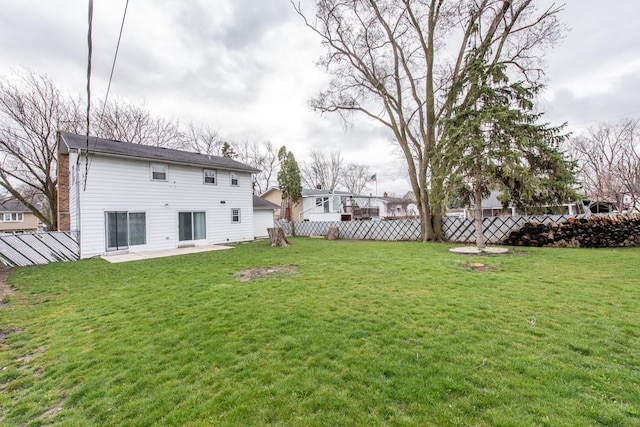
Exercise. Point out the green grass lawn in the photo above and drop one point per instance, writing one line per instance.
(364, 333)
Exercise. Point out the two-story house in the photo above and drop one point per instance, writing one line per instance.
(125, 197)
(15, 217)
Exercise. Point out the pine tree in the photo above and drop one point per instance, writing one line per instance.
(494, 141)
(289, 180)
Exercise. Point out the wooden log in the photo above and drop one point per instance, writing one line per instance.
(277, 237)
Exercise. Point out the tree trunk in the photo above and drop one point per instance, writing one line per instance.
(277, 237)
(477, 215)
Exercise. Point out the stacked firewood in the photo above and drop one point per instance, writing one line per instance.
(592, 232)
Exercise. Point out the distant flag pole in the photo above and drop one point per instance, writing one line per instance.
(374, 177)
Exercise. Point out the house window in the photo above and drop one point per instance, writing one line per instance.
(125, 229)
(159, 172)
(209, 176)
(192, 226)
(324, 202)
(12, 217)
(235, 178)
(235, 215)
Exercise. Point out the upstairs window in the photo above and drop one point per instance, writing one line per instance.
(235, 178)
(159, 172)
(11, 217)
(210, 176)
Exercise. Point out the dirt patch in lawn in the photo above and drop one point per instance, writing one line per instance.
(257, 273)
(5, 290)
(477, 266)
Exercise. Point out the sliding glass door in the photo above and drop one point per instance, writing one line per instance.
(192, 226)
(125, 229)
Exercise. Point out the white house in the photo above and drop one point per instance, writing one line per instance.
(333, 205)
(125, 197)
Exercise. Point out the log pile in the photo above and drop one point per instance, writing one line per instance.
(592, 232)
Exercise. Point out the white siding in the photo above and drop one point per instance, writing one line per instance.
(262, 219)
(117, 184)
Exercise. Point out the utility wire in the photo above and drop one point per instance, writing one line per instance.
(113, 65)
(90, 52)
(104, 104)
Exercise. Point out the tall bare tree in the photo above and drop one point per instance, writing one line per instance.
(609, 159)
(356, 178)
(261, 156)
(322, 170)
(134, 123)
(389, 61)
(32, 110)
(202, 139)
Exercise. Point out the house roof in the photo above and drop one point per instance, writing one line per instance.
(308, 192)
(261, 204)
(109, 147)
(13, 206)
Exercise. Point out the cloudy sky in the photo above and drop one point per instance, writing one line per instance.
(247, 67)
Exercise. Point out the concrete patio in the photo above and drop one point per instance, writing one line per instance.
(138, 256)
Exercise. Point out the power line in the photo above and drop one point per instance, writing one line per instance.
(90, 52)
(113, 65)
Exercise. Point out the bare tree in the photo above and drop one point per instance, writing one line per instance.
(389, 61)
(324, 171)
(609, 160)
(32, 110)
(202, 139)
(134, 123)
(356, 178)
(261, 156)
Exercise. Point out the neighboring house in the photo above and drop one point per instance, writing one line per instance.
(325, 205)
(492, 206)
(126, 197)
(398, 207)
(15, 217)
(263, 216)
(274, 195)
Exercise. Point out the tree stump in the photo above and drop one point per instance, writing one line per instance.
(332, 233)
(277, 237)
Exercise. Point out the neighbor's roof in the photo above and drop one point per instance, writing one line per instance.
(261, 204)
(109, 147)
(307, 192)
(13, 206)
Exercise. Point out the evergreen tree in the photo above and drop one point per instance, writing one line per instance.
(494, 142)
(228, 151)
(289, 181)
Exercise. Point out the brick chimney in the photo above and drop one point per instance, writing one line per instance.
(64, 217)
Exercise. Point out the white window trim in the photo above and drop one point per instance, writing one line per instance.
(215, 176)
(166, 172)
(237, 175)
(19, 217)
(239, 216)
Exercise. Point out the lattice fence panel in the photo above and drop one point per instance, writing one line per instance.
(21, 250)
(460, 230)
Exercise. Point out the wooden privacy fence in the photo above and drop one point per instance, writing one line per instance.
(460, 230)
(19, 250)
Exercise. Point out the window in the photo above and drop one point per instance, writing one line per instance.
(125, 229)
(235, 178)
(235, 215)
(209, 176)
(12, 217)
(192, 226)
(324, 202)
(159, 172)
